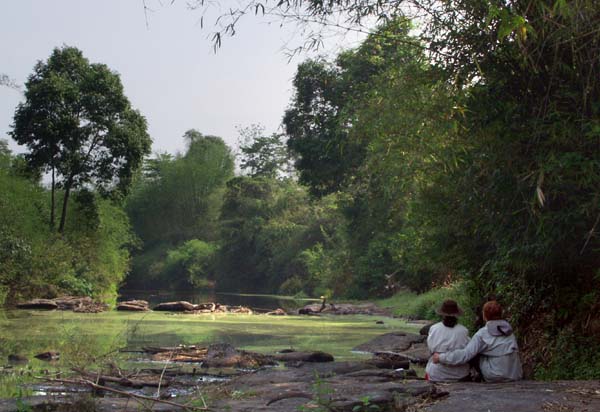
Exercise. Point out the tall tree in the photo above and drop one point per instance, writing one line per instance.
(325, 104)
(179, 197)
(262, 155)
(79, 126)
(5, 154)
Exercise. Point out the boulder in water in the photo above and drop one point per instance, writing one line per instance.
(277, 312)
(46, 304)
(133, 306)
(17, 358)
(179, 306)
(48, 356)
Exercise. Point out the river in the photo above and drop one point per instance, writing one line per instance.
(83, 338)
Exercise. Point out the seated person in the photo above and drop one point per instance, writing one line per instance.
(446, 336)
(496, 346)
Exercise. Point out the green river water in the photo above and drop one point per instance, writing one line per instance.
(84, 339)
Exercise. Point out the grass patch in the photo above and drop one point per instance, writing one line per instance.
(423, 306)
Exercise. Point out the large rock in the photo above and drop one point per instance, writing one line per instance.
(16, 358)
(293, 356)
(73, 302)
(223, 355)
(345, 309)
(48, 356)
(399, 345)
(343, 386)
(523, 396)
(425, 329)
(180, 306)
(391, 342)
(46, 304)
(220, 355)
(133, 306)
(82, 304)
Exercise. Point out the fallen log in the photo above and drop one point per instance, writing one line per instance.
(180, 348)
(417, 357)
(123, 381)
(97, 387)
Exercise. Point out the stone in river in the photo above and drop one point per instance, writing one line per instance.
(48, 356)
(180, 306)
(133, 306)
(38, 304)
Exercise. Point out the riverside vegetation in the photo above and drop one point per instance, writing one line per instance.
(461, 157)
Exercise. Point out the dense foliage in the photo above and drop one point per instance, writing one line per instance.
(79, 126)
(174, 207)
(90, 258)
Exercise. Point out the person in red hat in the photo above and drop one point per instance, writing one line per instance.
(446, 336)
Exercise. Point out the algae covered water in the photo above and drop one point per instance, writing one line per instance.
(86, 338)
(27, 333)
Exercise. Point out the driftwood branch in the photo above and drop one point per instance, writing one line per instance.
(123, 381)
(139, 398)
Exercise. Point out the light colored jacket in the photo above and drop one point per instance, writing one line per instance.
(444, 339)
(497, 345)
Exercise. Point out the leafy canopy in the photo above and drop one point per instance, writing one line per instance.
(77, 122)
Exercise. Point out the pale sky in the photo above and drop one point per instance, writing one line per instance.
(169, 70)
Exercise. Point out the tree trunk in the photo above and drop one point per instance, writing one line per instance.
(63, 216)
(52, 200)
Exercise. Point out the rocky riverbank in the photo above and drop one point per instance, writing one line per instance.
(345, 387)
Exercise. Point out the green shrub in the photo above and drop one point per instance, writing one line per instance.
(423, 306)
(569, 356)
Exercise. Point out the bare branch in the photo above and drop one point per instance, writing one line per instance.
(8, 82)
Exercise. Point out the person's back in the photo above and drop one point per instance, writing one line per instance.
(443, 339)
(496, 346)
(447, 336)
(499, 358)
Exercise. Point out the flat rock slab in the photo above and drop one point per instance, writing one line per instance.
(81, 304)
(391, 342)
(66, 403)
(346, 384)
(409, 346)
(524, 396)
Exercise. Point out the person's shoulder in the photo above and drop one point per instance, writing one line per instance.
(481, 332)
(462, 329)
(436, 326)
